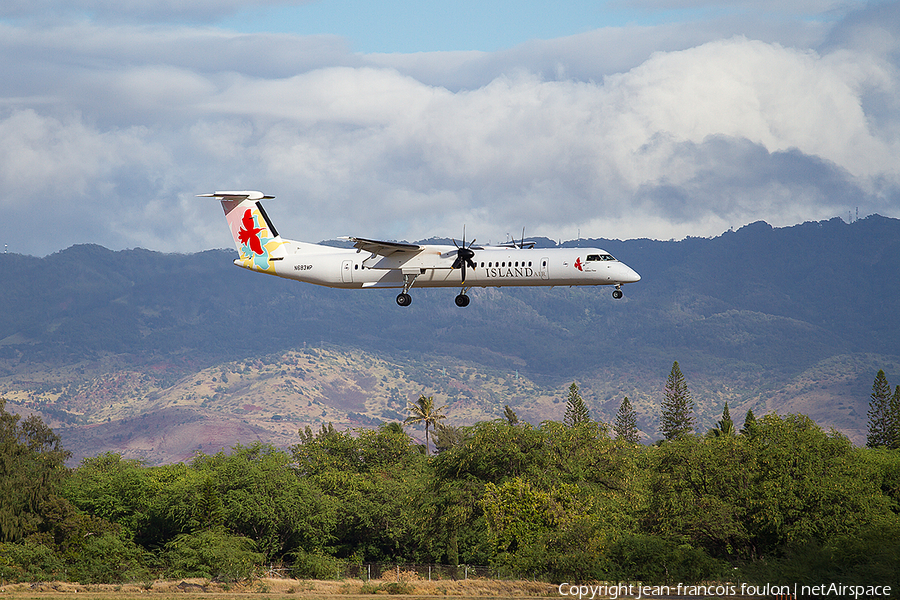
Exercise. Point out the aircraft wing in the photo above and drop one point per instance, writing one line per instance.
(384, 248)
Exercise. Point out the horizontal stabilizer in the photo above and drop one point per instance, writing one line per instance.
(240, 195)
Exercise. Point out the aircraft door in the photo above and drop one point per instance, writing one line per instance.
(347, 271)
(544, 268)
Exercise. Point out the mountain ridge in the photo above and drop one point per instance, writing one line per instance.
(794, 319)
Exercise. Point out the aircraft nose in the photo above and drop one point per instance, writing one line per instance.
(631, 275)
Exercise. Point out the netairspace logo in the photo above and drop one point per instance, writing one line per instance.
(613, 592)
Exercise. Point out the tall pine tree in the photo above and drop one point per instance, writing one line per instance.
(626, 423)
(576, 410)
(882, 428)
(894, 419)
(677, 419)
(749, 426)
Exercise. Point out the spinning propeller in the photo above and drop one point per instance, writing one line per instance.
(464, 255)
(514, 244)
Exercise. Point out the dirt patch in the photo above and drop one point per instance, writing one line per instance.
(344, 396)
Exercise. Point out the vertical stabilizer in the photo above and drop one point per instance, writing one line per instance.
(255, 238)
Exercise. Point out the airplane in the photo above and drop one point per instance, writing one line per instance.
(373, 264)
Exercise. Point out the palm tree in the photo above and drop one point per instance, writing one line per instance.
(423, 411)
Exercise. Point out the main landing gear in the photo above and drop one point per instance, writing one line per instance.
(404, 299)
(461, 300)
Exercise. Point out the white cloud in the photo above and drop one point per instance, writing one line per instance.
(43, 156)
(778, 97)
(107, 132)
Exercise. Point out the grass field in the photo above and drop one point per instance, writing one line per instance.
(283, 588)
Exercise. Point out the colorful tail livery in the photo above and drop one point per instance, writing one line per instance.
(379, 264)
(256, 240)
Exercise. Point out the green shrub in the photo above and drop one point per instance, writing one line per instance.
(29, 561)
(656, 560)
(396, 587)
(316, 565)
(106, 558)
(212, 554)
(869, 557)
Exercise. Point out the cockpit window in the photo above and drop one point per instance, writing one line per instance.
(592, 257)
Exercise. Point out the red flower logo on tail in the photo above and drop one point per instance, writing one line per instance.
(249, 233)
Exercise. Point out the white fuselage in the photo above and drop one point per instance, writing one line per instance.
(386, 264)
(494, 266)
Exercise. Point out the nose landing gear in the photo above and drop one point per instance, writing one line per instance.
(404, 299)
(617, 293)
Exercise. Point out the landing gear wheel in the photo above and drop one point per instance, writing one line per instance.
(404, 299)
(462, 300)
(617, 294)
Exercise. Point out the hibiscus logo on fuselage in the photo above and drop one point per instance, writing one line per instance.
(578, 264)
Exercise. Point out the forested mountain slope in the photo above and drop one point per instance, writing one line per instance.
(793, 319)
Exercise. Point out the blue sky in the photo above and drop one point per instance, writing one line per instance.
(404, 120)
(410, 26)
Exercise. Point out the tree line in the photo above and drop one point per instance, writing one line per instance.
(778, 500)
